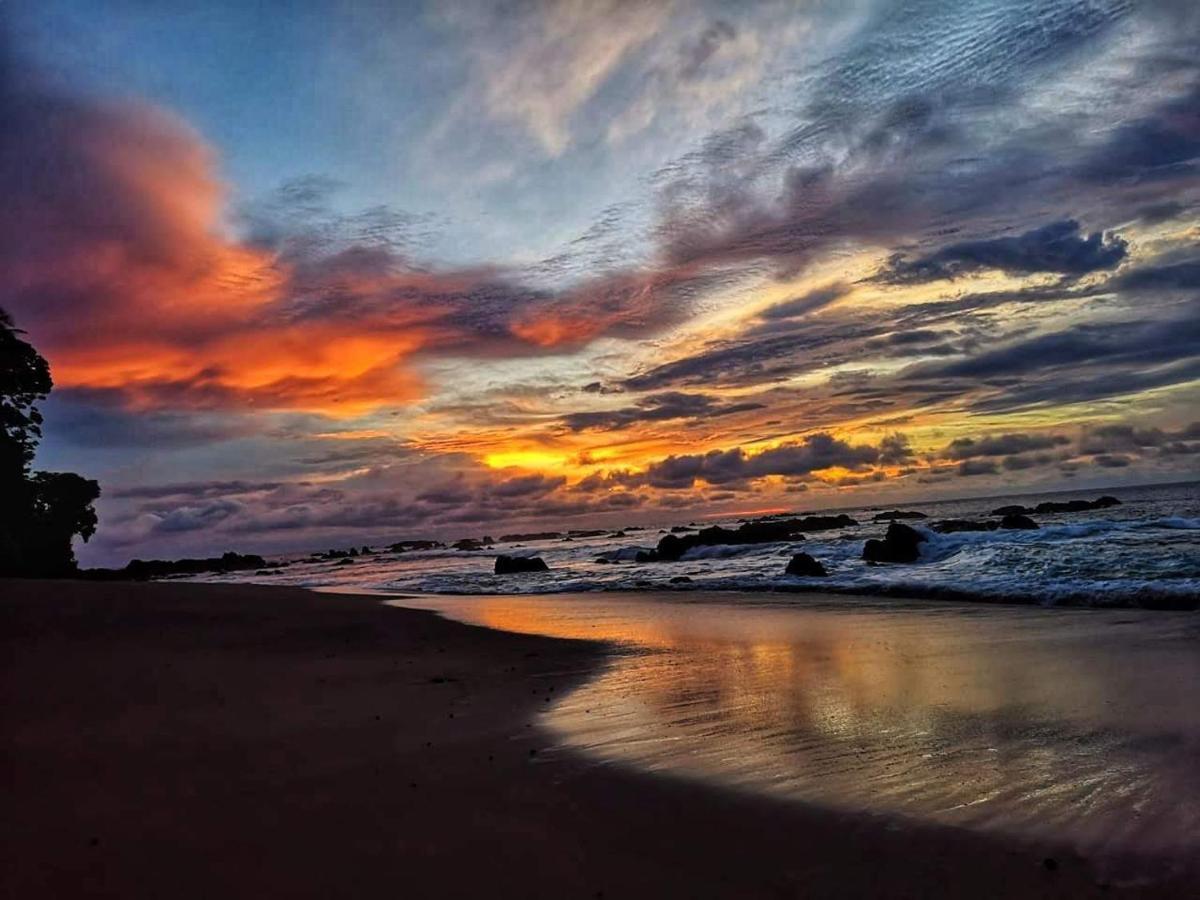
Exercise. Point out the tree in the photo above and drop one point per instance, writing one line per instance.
(40, 512)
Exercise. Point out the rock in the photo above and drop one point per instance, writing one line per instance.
(513, 565)
(803, 564)
(345, 562)
(681, 579)
(680, 529)
(1015, 520)
(898, 514)
(901, 544)
(467, 544)
(531, 536)
(600, 560)
(405, 546)
(950, 526)
(762, 531)
(1055, 506)
(1014, 510)
(645, 556)
(139, 569)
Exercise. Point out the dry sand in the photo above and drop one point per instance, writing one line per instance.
(183, 740)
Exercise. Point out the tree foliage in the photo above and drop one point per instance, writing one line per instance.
(40, 512)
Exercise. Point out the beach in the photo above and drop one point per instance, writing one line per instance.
(201, 740)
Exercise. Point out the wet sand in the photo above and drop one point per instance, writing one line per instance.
(224, 740)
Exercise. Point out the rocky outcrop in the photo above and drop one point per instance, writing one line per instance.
(467, 544)
(892, 514)
(531, 536)
(951, 526)
(406, 546)
(673, 546)
(1016, 520)
(1059, 506)
(1012, 510)
(140, 569)
(803, 564)
(514, 565)
(901, 544)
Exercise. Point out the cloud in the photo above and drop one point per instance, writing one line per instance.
(1058, 248)
(657, 408)
(535, 65)
(723, 467)
(971, 467)
(115, 212)
(1003, 445)
(816, 299)
(1127, 438)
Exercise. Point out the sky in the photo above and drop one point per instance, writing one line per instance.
(329, 273)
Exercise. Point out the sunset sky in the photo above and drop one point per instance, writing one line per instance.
(332, 273)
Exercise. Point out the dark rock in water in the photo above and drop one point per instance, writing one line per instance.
(366, 551)
(532, 536)
(803, 564)
(950, 526)
(345, 562)
(1015, 520)
(600, 560)
(1013, 510)
(681, 579)
(586, 532)
(759, 531)
(405, 546)
(679, 529)
(645, 556)
(512, 565)
(1053, 506)
(140, 569)
(901, 544)
(467, 544)
(898, 514)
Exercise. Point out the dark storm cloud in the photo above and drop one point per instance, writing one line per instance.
(1126, 438)
(1161, 147)
(194, 489)
(814, 300)
(1058, 248)
(1184, 275)
(815, 452)
(971, 467)
(1085, 362)
(657, 408)
(1003, 445)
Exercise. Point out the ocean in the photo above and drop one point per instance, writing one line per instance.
(1144, 552)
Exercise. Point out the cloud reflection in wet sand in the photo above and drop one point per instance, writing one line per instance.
(1078, 726)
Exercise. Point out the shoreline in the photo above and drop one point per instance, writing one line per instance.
(235, 739)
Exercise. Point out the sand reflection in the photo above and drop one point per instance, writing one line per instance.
(1082, 724)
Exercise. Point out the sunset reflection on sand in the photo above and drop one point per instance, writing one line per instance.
(1017, 719)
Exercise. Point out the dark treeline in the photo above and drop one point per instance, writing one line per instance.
(40, 512)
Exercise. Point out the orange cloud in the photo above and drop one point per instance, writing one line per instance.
(119, 263)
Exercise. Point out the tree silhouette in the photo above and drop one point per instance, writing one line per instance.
(40, 512)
